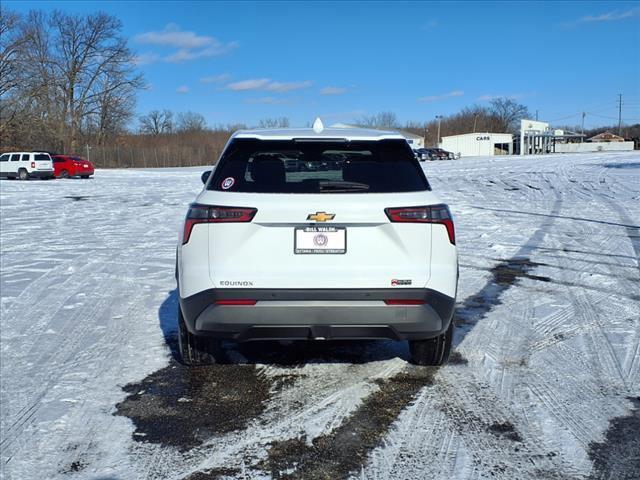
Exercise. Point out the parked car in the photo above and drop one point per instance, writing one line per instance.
(25, 165)
(66, 166)
(444, 154)
(423, 154)
(367, 252)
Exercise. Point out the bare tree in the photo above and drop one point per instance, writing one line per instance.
(112, 111)
(508, 112)
(386, 120)
(157, 122)
(12, 41)
(30, 113)
(77, 66)
(282, 122)
(190, 122)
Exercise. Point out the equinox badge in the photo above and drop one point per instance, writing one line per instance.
(321, 216)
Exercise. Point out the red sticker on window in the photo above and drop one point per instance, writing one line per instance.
(227, 183)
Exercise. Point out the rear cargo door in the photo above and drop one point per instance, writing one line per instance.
(43, 161)
(320, 220)
(358, 248)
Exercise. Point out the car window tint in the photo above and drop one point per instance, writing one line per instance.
(15, 157)
(4, 158)
(289, 166)
(25, 157)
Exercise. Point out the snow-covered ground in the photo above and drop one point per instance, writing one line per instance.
(544, 382)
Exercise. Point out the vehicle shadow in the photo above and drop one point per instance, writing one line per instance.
(285, 354)
(565, 217)
(504, 275)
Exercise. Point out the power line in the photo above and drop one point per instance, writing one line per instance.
(611, 118)
(564, 118)
(602, 116)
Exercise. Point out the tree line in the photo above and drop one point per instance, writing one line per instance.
(69, 82)
(66, 80)
(502, 115)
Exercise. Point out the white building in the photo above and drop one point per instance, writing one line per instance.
(475, 144)
(535, 137)
(414, 141)
(539, 138)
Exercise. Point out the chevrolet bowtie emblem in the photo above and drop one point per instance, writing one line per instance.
(321, 216)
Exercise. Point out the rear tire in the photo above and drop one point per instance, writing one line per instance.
(64, 174)
(23, 174)
(433, 351)
(196, 350)
(84, 176)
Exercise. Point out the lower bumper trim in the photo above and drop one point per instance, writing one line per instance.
(316, 314)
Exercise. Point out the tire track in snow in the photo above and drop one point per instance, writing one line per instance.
(317, 405)
(77, 328)
(474, 309)
(566, 416)
(74, 331)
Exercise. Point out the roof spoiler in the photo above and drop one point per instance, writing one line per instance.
(320, 139)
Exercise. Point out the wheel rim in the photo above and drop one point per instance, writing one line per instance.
(64, 174)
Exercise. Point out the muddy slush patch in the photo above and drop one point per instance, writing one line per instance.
(343, 451)
(74, 467)
(215, 474)
(456, 358)
(503, 276)
(505, 430)
(618, 456)
(507, 272)
(77, 198)
(184, 406)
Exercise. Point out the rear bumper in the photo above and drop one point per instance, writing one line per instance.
(301, 314)
(41, 174)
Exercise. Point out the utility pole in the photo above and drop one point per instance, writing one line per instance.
(426, 130)
(88, 148)
(582, 130)
(536, 115)
(620, 114)
(475, 117)
(439, 117)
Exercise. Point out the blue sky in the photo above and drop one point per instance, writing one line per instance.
(243, 61)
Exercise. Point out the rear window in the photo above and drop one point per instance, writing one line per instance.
(276, 166)
(42, 156)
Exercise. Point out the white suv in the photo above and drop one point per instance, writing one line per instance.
(25, 165)
(314, 234)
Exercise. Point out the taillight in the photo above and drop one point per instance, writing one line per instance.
(33, 164)
(213, 214)
(429, 214)
(408, 301)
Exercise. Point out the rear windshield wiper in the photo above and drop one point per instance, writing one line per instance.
(343, 187)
